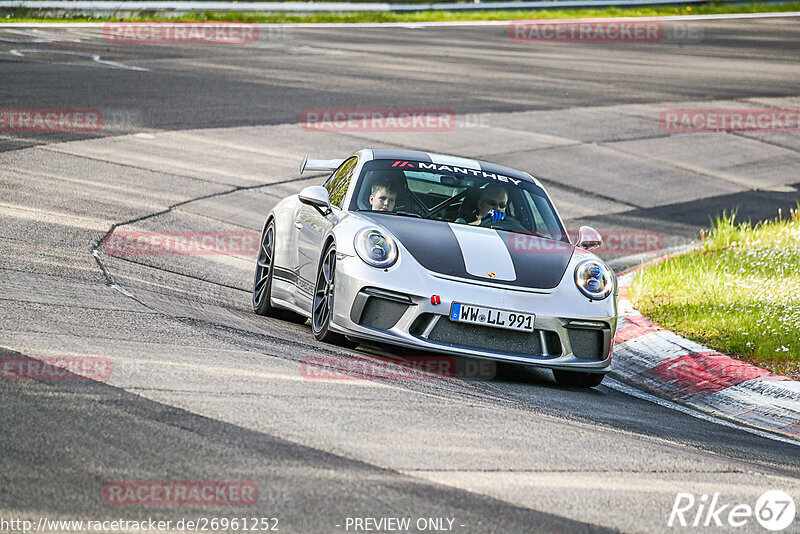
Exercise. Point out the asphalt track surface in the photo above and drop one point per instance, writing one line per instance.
(204, 390)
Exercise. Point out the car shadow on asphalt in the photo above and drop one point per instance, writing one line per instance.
(470, 369)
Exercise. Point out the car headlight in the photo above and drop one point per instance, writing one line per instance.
(375, 248)
(594, 279)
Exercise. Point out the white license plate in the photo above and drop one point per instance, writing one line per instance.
(467, 313)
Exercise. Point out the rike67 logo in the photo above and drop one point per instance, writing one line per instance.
(774, 510)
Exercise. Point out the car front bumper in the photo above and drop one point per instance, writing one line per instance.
(394, 306)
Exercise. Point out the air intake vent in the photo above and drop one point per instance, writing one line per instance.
(587, 344)
(381, 313)
(553, 342)
(420, 324)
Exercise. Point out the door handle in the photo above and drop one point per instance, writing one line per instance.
(298, 225)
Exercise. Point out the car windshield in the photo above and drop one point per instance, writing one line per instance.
(456, 195)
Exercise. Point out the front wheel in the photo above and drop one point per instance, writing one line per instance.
(578, 379)
(322, 305)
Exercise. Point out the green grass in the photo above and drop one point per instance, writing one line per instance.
(739, 293)
(421, 16)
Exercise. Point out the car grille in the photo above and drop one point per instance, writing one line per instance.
(469, 336)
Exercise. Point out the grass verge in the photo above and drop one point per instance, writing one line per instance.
(419, 16)
(739, 293)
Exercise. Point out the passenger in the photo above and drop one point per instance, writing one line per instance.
(384, 195)
(489, 202)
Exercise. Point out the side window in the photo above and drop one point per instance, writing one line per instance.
(337, 185)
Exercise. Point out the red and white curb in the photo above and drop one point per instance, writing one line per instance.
(663, 363)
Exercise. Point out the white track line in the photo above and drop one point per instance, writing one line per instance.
(633, 392)
(729, 16)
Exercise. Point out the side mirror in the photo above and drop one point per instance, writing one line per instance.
(589, 238)
(316, 196)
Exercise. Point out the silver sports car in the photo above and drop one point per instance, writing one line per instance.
(439, 253)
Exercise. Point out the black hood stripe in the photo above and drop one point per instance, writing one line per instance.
(539, 263)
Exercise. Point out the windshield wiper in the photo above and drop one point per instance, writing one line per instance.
(535, 233)
(400, 213)
(545, 235)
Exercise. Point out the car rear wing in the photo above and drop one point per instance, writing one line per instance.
(319, 164)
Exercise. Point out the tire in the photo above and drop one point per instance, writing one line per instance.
(322, 301)
(578, 379)
(262, 283)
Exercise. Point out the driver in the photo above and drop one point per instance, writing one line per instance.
(383, 195)
(490, 205)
